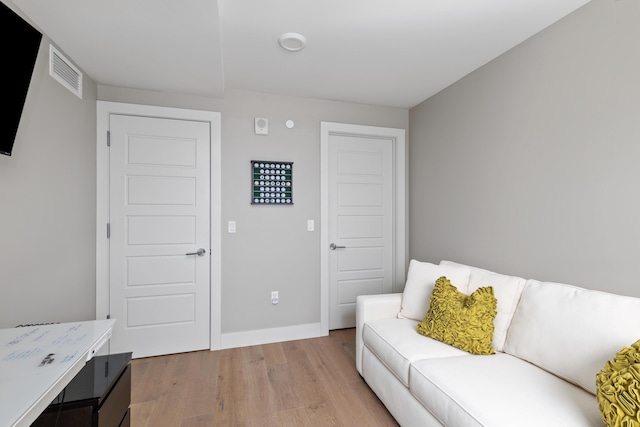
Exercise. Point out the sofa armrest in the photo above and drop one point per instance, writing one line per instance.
(372, 307)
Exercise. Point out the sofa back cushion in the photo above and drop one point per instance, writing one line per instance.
(506, 289)
(570, 331)
(421, 279)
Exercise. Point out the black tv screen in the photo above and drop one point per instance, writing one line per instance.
(20, 42)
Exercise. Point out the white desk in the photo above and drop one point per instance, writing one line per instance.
(37, 362)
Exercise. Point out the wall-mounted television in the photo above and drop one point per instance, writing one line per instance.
(20, 43)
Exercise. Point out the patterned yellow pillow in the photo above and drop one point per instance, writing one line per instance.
(465, 322)
(618, 388)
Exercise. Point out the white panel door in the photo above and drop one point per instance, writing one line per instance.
(159, 245)
(361, 206)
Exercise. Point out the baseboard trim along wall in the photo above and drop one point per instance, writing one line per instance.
(267, 336)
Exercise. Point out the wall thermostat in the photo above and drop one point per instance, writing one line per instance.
(261, 126)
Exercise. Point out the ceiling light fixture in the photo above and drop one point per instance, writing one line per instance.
(293, 42)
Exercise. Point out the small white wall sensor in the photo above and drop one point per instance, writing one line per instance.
(261, 126)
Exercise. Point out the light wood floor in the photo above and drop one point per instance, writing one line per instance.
(310, 382)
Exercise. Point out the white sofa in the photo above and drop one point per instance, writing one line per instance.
(550, 339)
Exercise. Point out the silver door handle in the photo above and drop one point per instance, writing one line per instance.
(333, 247)
(199, 252)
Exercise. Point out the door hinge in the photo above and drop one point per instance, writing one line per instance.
(108, 230)
(108, 138)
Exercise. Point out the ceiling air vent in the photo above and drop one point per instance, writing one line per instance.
(61, 69)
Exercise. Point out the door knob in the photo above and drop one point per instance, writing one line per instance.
(333, 247)
(199, 252)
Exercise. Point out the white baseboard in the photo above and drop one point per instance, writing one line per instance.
(267, 336)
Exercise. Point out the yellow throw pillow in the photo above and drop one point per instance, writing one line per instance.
(465, 322)
(618, 388)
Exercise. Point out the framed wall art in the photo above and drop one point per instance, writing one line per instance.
(271, 182)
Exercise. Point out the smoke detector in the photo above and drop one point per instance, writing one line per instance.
(293, 42)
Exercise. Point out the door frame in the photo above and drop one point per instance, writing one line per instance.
(104, 109)
(399, 200)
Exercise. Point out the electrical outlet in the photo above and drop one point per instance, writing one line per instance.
(311, 225)
(274, 297)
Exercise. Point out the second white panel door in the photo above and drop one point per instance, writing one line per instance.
(159, 248)
(361, 190)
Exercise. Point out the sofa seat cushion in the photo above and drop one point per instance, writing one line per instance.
(397, 344)
(499, 390)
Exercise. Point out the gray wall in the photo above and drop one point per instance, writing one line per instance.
(528, 166)
(272, 249)
(47, 205)
(531, 164)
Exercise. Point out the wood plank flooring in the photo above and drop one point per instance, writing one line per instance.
(310, 382)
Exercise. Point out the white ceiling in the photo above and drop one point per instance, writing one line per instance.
(381, 52)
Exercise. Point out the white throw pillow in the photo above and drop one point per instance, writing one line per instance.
(421, 279)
